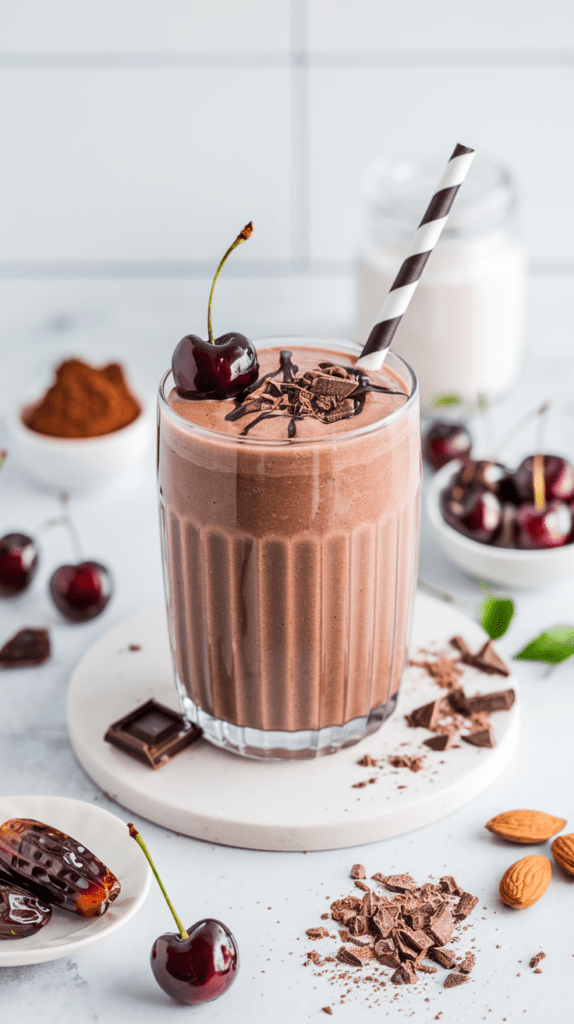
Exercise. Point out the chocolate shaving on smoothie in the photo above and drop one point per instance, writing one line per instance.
(401, 929)
(329, 393)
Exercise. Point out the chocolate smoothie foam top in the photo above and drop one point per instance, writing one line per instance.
(301, 393)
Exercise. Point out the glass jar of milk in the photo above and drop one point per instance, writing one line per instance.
(462, 332)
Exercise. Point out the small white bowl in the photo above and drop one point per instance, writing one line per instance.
(76, 463)
(509, 567)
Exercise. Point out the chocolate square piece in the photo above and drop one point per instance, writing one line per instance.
(153, 733)
(26, 648)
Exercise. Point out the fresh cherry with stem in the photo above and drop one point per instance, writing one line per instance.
(220, 368)
(80, 591)
(197, 965)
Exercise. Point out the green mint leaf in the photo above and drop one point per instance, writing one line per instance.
(552, 646)
(496, 616)
(447, 400)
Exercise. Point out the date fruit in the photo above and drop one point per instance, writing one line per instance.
(21, 913)
(56, 867)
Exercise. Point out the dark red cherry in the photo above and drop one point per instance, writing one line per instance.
(549, 527)
(445, 441)
(477, 516)
(219, 370)
(558, 479)
(81, 591)
(197, 965)
(199, 968)
(18, 563)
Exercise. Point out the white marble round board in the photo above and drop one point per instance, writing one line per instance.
(108, 838)
(220, 797)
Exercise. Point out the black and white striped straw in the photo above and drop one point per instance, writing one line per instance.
(426, 237)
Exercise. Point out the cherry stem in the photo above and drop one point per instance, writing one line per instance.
(538, 482)
(242, 237)
(67, 522)
(517, 428)
(135, 835)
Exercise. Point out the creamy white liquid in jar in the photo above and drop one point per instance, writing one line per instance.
(463, 330)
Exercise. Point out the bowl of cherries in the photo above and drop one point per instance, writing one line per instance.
(512, 527)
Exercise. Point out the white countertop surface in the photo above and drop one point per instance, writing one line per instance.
(270, 899)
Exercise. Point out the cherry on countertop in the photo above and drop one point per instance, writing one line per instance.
(197, 965)
(199, 968)
(18, 563)
(81, 591)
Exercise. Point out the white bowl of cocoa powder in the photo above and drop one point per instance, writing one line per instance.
(87, 428)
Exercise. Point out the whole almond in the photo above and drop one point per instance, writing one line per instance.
(525, 882)
(525, 826)
(563, 852)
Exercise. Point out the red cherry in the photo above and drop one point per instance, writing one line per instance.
(18, 563)
(478, 515)
(218, 371)
(215, 369)
(199, 968)
(558, 479)
(549, 527)
(197, 965)
(445, 441)
(81, 591)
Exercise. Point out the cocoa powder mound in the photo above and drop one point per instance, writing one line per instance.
(84, 402)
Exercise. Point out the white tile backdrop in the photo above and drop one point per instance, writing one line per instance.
(139, 135)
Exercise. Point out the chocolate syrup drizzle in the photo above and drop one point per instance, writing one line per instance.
(342, 407)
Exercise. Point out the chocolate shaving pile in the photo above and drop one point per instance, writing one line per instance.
(329, 393)
(404, 930)
(456, 715)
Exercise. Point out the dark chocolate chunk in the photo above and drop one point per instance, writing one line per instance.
(153, 733)
(426, 968)
(427, 716)
(442, 741)
(317, 933)
(26, 648)
(463, 648)
(501, 700)
(418, 940)
(536, 959)
(480, 738)
(358, 871)
(403, 976)
(465, 905)
(346, 956)
(452, 980)
(458, 702)
(487, 660)
(336, 386)
(448, 884)
(384, 922)
(327, 1009)
(441, 926)
(444, 957)
(397, 883)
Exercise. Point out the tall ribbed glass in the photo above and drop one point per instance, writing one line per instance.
(290, 570)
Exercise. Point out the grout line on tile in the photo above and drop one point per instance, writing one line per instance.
(300, 202)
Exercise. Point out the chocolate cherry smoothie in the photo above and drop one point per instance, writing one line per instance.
(290, 524)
